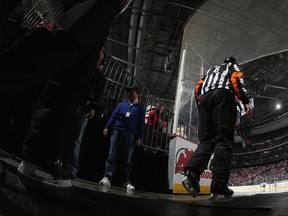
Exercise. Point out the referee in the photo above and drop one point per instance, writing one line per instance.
(217, 113)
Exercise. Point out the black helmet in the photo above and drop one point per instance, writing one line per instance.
(230, 59)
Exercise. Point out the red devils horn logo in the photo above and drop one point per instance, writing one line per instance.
(182, 157)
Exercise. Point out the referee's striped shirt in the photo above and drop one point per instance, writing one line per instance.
(225, 76)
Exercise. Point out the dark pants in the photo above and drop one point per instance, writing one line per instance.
(216, 127)
(76, 134)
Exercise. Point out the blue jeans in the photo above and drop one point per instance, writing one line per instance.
(77, 131)
(121, 147)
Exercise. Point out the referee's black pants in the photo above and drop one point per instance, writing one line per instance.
(216, 126)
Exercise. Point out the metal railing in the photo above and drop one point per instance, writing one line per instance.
(157, 135)
(26, 16)
(32, 13)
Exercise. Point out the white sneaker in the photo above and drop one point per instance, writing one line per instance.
(33, 171)
(130, 187)
(105, 182)
(28, 169)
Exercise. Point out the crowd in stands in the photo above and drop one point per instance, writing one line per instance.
(281, 113)
(263, 141)
(261, 157)
(264, 160)
(259, 174)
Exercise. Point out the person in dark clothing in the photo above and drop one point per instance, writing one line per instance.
(85, 111)
(128, 121)
(215, 97)
(58, 63)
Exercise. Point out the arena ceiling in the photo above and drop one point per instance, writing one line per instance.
(147, 40)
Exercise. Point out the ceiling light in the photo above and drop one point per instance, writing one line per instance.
(278, 106)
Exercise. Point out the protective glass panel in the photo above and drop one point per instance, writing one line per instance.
(244, 29)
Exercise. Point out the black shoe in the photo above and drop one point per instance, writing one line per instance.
(221, 195)
(68, 174)
(226, 191)
(191, 183)
(54, 168)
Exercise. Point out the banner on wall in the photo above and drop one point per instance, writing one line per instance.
(180, 152)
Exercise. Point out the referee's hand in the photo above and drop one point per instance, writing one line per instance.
(248, 110)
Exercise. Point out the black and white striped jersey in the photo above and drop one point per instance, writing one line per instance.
(225, 76)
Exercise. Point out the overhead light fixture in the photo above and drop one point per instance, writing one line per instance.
(278, 106)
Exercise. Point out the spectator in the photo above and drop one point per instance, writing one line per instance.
(85, 111)
(59, 75)
(154, 124)
(153, 116)
(127, 120)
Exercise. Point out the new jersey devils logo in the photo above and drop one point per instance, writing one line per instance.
(182, 157)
